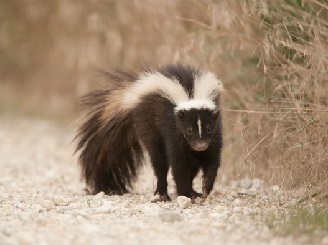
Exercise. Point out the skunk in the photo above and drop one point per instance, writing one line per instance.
(172, 112)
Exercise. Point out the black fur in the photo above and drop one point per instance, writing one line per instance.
(110, 144)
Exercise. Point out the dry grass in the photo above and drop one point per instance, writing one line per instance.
(272, 57)
(291, 136)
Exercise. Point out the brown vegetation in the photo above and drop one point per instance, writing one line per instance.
(271, 55)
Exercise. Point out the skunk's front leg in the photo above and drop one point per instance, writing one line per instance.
(161, 167)
(209, 175)
(182, 177)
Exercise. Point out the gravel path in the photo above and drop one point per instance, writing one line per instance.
(42, 201)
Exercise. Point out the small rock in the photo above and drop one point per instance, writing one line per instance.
(275, 188)
(183, 202)
(222, 215)
(245, 183)
(60, 201)
(252, 193)
(236, 201)
(249, 192)
(150, 209)
(6, 196)
(100, 195)
(248, 211)
(237, 209)
(107, 207)
(233, 194)
(264, 197)
(242, 191)
(47, 204)
(256, 183)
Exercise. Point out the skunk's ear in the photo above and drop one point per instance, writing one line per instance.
(180, 114)
(216, 113)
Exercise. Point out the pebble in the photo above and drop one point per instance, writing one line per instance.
(183, 202)
(60, 201)
(256, 183)
(237, 209)
(100, 195)
(245, 183)
(248, 211)
(106, 207)
(150, 209)
(6, 196)
(222, 215)
(229, 198)
(47, 204)
(236, 201)
(275, 188)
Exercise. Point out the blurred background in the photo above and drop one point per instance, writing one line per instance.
(271, 55)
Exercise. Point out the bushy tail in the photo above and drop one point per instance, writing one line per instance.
(109, 151)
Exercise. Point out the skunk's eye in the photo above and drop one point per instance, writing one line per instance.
(208, 129)
(180, 114)
(189, 131)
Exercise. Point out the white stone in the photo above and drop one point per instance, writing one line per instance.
(245, 183)
(106, 207)
(236, 201)
(150, 209)
(47, 204)
(248, 211)
(100, 195)
(275, 188)
(183, 202)
(60, 201)
(256, 183)
(237, 210)
(222, 215)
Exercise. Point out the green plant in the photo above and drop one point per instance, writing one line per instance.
(304, 220)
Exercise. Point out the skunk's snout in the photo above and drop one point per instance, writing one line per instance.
(200, 145)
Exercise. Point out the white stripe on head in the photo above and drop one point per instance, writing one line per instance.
(199, 123)
(151, 83)
(195, 104)
(207, 86)
(206, 89)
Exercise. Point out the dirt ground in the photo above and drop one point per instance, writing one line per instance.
(42, 201)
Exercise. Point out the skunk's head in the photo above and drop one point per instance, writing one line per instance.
(197, 126)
